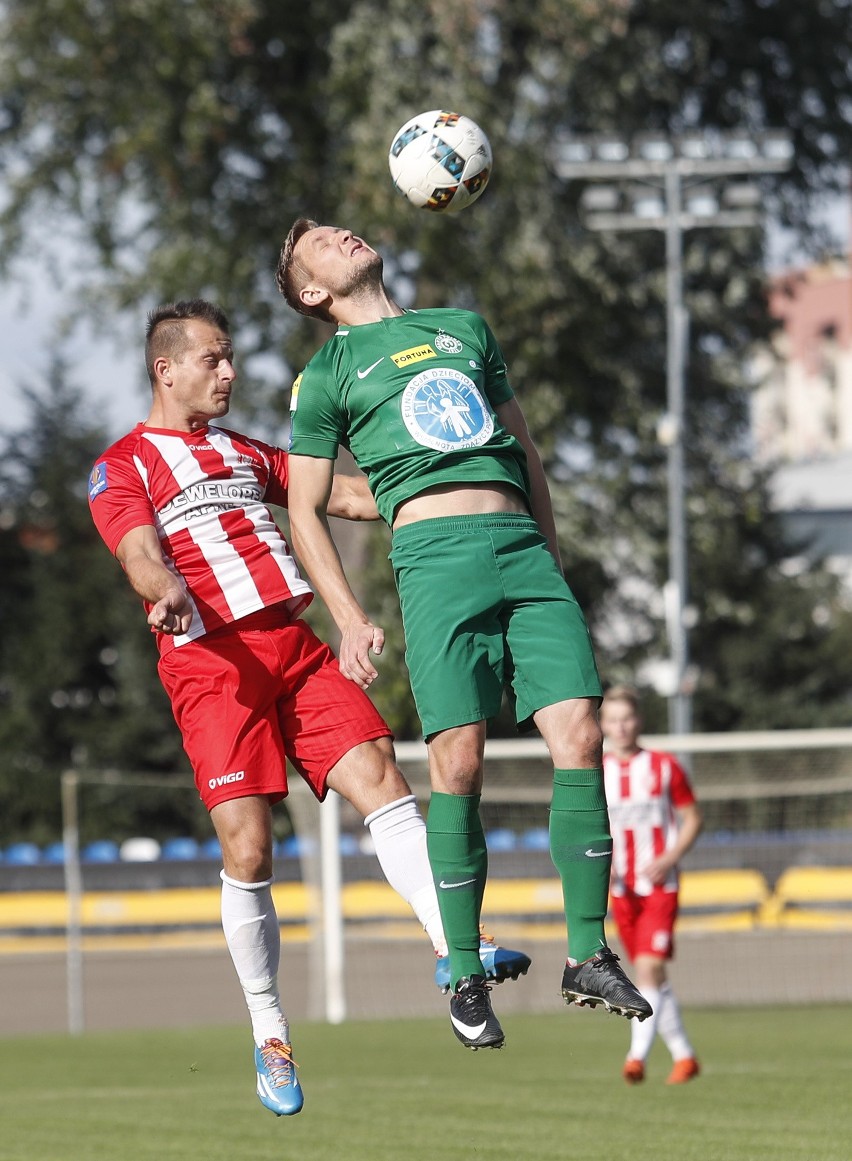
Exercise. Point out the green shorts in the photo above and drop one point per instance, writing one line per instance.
(484, 605)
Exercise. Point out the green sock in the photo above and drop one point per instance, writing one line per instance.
(581, 849)
(456, 845)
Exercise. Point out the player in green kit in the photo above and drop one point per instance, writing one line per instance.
(422, 400)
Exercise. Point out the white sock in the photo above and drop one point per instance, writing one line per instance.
(399, 834)
(671, 1026)
(253, 937)
(642, 1034)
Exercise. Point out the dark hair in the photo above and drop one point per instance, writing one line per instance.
(165, 333)
(289, 275)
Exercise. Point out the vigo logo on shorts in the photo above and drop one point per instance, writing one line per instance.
(443, 409)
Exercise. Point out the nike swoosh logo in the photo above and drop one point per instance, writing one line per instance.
(372, 367)
(596, 854)
(466, 1030)
(449, 886)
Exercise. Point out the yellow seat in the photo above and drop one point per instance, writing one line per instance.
(815, 898)
(729, 899)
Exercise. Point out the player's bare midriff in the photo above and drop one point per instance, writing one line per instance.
(453, 500)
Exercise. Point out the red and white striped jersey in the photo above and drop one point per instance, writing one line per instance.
(642, 794)
(206, 493)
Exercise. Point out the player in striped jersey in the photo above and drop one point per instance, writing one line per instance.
(654, 819)
(184, 506)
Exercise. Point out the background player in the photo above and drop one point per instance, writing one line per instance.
(183, 504)
(654, 820)
(422, 400)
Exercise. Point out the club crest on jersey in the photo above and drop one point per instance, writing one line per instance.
(98, 480)
(443, 409)
(447, 344)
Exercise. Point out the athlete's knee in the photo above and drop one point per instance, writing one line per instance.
(247, 862)
(368, 776)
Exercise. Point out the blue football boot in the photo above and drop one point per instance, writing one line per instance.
(498, 963)
(277, 1084)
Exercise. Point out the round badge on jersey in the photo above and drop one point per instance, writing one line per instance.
(444, 410)
(449, 344)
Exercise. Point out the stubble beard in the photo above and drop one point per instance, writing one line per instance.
(365, 278)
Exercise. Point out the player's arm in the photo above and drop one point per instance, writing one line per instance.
(351, 498)
(690, 822)
(512, 418)
(139, 554)
(311, 480)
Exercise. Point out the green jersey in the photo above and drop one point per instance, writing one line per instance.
(413, 398)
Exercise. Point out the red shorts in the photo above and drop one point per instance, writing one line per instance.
(263, 690)
(646, 922)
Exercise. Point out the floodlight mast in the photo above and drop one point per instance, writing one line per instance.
(665, 164)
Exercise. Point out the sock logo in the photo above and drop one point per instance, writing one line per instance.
(597, 854)
(449, 886)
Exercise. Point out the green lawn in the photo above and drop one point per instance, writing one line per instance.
(777, 1085)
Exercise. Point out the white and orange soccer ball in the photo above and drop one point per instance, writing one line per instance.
(440, 161)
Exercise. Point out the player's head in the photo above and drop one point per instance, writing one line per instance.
(320, 264)
(620, 716)
(167, 335)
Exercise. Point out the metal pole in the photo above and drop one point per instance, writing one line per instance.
(74, 898)
(679, 703)
(332, 909)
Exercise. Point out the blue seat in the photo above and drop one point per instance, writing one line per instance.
(22, 855)
(101, 851)
(179, 849)
(536, 839)
(294, 846)
(501, 839)
(349, 845)
(211, 848)
(53, 853)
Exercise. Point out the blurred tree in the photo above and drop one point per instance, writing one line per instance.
(179, 141)
(78, 684)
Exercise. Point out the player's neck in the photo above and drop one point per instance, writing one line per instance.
(366, 306)
(166, 420)
(623, 753)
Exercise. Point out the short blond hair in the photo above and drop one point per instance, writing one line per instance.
(626, 693)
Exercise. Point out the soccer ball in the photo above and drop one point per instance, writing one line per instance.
(440, 161)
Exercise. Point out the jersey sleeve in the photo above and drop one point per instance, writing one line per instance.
(118, 500)
(680, 790)
(496, 372)
(275, 491)
(316, 419)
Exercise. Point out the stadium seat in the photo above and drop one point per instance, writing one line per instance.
(812, 898)
(101, 851)
(22, 855)
(537, 839)
(728, 899)
(295, 847)
(211, 848)
(140, 849)
(501, 839)
(53, 853)
(179, 849)
(349, 845)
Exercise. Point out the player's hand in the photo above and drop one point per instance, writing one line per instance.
(657, 870)
(172, 613)
(356, 644)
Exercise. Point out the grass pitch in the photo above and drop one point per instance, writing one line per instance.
(776, 1084)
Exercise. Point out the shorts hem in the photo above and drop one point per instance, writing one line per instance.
(335, 757)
